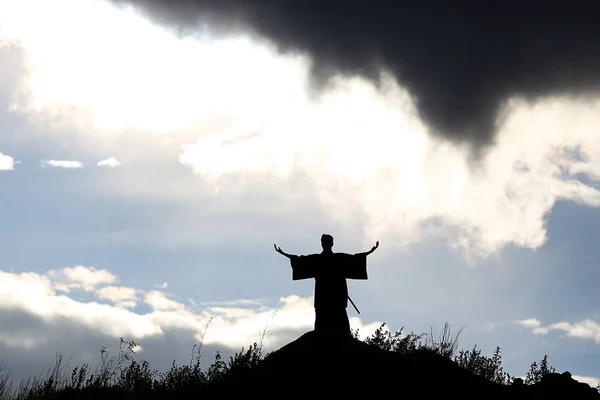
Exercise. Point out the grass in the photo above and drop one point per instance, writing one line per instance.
(122, 372)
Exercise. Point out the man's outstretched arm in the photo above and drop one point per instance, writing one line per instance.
(283, 253)
(366, 253)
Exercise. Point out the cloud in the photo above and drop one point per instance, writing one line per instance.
(504, 201)
(159, 302)
(233, 303)
(230, 312)
(63, 164)
(121, 296)
(593, 382)
(586, 329)
(358, 151)
(35, 294)
(36, 320)
(532, 323)
(109, 162)
(590, 168)
(7, 163)
(233, 326)
(86, 278)
(444, 59)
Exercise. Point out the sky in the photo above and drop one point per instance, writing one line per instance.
(150, 158)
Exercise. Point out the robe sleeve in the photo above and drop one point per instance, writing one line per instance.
(353, 266)
(304, 267)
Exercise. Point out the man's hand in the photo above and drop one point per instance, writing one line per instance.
(366, 253)
(373, 248)
(283, 253)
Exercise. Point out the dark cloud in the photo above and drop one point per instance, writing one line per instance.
(459, 61)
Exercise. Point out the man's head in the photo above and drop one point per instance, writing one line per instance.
(326, 241)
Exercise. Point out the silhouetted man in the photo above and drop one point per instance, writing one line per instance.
(330, 271)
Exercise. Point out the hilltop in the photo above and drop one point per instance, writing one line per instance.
(320, 364)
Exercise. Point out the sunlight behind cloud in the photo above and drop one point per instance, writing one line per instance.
(401, 178)
(238, 108)
(134, 74)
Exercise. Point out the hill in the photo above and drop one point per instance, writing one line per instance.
(318, 364)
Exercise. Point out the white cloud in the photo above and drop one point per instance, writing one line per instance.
(89, 275)
(233, 326)
(63, 164)
(122, 296)
(232, 303)
(34, 293)
(506, 200)
(592, 381)
(586, 329)
(80, 276)
(109, 162)
(590, 168)
(231, 312)
(7, 163)
(389, 171)
(531, 323)
(159, 302)
(172, 104)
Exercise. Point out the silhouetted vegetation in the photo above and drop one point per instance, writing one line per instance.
(122, 374)
(445, 344)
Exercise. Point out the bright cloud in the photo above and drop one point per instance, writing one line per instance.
(113, 85)
(86, 278)
(587, 379)
(531, 323)
(586, 329)
(159, 301)
(63, 164)
(109, 162)
(121, 296)
(506, 201)
(35, 294)
(238, 108)
(234, 326)
(7, 163)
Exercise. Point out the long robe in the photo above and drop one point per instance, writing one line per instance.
(330, 271)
